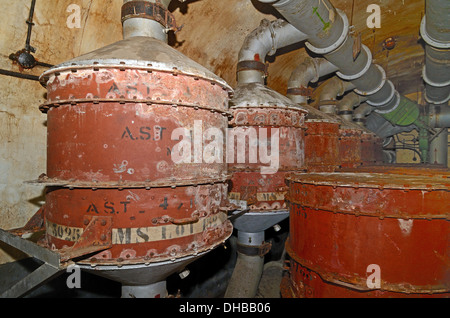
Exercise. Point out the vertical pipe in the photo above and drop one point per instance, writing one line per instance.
(247, 273)
(439, 148)
(145, 27)
(347, 104)
(156, 290)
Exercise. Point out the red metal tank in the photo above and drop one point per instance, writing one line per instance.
(261, 119)
(321, 141)
(352, 231)
(119, 120)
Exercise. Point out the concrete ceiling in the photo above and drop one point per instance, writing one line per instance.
(214, 31)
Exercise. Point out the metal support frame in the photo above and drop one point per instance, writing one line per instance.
(95, 237)
(51, 267)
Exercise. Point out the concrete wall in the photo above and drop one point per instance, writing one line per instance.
(22, 126)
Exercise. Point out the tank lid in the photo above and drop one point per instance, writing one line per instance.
(373, 180)
(258, 95)
(139, 52)
(315, 115)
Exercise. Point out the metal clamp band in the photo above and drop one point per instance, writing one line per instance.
(149, 10)
(251, 250)
(301, 91)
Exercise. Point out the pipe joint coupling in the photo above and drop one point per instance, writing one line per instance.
(363, 71)
(430, 82)
(376, 89)
(389, 109)
(428, 39)
(387, 100)
(252, 250)
(340, 40)
(151, 11)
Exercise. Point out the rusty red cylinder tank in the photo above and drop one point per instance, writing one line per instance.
(263, 123)
(128, 142)
(321, 141)
(368, 235)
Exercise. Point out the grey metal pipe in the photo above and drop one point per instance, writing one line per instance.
(264, 40)
(435, 26)
(439, 116)
(318, 19)
(438, 153)
(247, 273)
(331, 90)
(360, 113)
(310, 70)
(435, 31)
(145, 27)
(346, 105)
(327, 29)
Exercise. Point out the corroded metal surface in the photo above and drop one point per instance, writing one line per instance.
(259, 192)
(350, 147)
(430, 170)
(133, 139)
(322, 146)
(290, 155)
(131, 142)
(260, 117)
(116, 117)
(134, 53)
(341, 223)
(154, 224)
